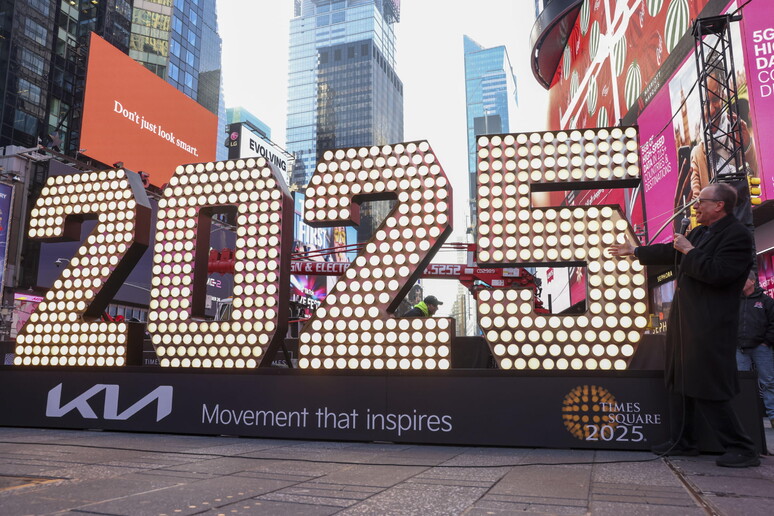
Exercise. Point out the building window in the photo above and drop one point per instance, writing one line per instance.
(174, 72)
(189, 58)
(42, 6)
(191, 37)
(25, 123)
(35, 31)
(32, 61)
(29, 91)
(174, 47)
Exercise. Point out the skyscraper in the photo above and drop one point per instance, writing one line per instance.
(343, 89)
(44, 48)
(491, 99)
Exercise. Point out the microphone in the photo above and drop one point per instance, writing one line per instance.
(684, 223)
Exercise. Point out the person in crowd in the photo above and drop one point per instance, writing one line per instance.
(425, 308)
(712, 262)
(756, 338)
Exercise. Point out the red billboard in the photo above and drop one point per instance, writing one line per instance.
(613, 52)
(131, 115)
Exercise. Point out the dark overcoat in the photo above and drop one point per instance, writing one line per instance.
(703, 321)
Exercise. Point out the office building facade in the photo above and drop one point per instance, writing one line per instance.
(343, 89)
(491, 99)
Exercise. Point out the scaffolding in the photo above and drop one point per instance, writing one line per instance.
(721, 122)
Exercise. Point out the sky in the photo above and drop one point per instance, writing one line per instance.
(429, 61)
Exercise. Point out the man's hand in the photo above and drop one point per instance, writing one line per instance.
(681, 244)
(625, 249)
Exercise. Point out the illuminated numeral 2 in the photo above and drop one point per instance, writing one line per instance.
(354, 327)
(65, 328)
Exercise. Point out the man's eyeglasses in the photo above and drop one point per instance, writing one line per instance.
(699, 201)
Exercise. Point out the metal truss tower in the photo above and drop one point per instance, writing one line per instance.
(718, 93)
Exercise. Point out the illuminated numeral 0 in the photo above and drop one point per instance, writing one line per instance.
(65, 328)
(179, 331)
(510, 232)
(354, 327)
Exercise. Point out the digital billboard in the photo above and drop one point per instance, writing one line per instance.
(309, 244)
(614, 56)
(6, 196)
(758, 37)
(634, 62)
(130, 115)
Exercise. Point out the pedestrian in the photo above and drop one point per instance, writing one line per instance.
(425, 308)
(756, 338)
(712, 265)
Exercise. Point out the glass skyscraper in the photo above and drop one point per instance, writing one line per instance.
(44, 49)
(491, 99)
(342, 90)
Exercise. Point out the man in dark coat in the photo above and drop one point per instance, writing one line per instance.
(713, 263)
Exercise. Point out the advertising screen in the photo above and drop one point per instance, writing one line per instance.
(130, 115)
(674, 162)
(6, 195)
(310, 244)
(758, 37)
(617, 55)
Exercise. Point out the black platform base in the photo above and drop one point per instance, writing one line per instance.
(613, 410)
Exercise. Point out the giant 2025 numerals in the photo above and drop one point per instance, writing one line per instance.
(354, 328)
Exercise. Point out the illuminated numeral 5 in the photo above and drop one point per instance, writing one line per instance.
(65, 328)
(180, 334)
(510, 232)
(354, 327)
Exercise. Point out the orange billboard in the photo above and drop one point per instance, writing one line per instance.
(133, 116)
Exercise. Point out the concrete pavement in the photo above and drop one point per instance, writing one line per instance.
(110, 473)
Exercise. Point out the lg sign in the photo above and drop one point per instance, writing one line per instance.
(250, 145)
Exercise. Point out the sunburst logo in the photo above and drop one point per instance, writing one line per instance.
(586, 409)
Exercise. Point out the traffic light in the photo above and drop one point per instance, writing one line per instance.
(754, 184)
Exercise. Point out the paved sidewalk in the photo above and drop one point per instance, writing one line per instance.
(94, 472)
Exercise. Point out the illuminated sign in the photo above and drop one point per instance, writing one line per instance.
(244, 143)
(355, 327)
(132, 116)
(180, 335)
(511, 232)
(65, 328)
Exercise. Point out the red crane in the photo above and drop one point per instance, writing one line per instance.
(475, 278)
